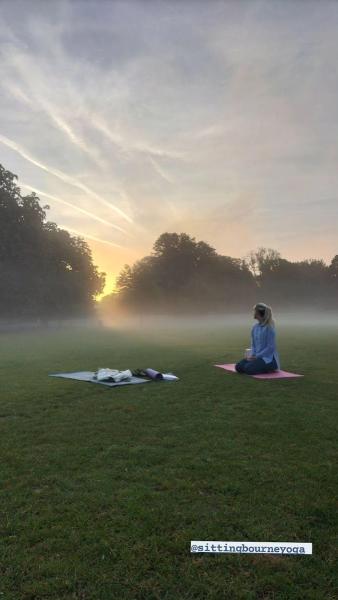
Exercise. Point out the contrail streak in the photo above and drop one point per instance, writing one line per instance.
(134, 146)
(66, 178)
(59, 122)
(160, 171)
(82, 210)
(90, 237)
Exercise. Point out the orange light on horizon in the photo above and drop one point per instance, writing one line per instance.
(110, 286)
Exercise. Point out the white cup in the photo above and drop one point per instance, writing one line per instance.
(248, 353)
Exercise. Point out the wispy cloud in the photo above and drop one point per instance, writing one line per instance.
(35, 101)
(219, 117)
(161, 171)
(127, 145)
(63, 176)
(73, 206)
(88, 236)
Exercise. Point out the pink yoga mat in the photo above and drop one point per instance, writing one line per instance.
(273, 375)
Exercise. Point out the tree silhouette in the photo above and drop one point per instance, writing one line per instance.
(44, 271)
(333, 268)
(183, 275)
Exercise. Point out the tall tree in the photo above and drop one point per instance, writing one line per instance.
(185, 275)
(44, 271)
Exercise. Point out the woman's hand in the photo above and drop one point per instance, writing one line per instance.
(252, 357)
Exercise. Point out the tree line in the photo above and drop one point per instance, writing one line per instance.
(189, 276)
(44, 271)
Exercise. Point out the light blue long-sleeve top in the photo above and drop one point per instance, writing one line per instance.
(263, 343)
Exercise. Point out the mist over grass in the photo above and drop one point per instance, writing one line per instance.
(177, 326)
(205, 322)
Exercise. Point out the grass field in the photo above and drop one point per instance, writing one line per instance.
(102, 489)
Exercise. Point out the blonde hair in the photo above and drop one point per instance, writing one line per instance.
(267, 319)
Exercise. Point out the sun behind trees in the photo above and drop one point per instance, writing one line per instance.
(189, 277)
(47, 273)
(182, 275)
(44, 271)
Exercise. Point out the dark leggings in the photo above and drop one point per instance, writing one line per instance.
(256, 366)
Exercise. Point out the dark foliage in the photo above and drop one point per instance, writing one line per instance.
(44, 271)
(186, 276)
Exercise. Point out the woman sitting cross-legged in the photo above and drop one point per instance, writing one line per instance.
(263, 357)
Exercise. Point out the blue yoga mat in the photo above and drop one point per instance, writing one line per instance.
(88, 376)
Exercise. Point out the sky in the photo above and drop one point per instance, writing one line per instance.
(218, 119)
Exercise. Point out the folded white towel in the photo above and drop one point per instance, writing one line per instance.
(112, 375)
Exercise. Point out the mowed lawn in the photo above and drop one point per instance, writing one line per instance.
(102, 489)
